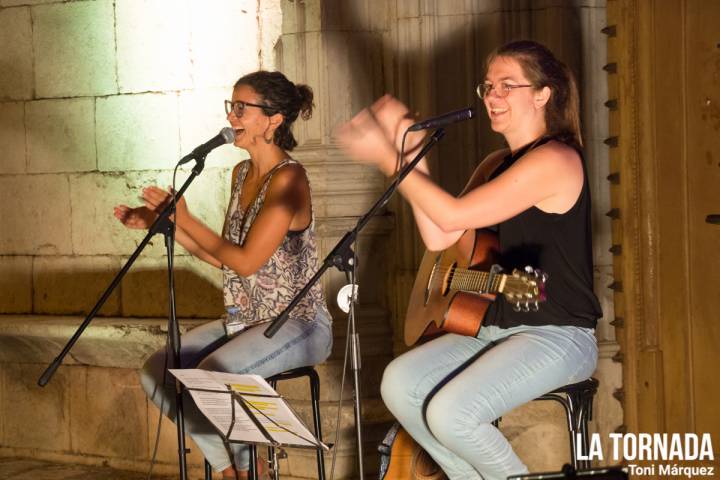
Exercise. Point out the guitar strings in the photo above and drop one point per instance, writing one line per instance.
(466, 279)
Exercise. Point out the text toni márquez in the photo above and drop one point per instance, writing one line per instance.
(667, 450)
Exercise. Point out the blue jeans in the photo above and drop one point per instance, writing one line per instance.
(447, 392)
(296, 344)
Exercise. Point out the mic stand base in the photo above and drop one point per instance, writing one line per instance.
(356, 368)
(174, 334)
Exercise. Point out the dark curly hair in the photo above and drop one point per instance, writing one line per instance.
(543, 69)
(284, 97)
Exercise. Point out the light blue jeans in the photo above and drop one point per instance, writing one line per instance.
(447, 392)
(296, 344)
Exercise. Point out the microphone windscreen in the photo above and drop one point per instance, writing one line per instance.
(228, 134)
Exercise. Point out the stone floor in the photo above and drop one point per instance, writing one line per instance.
(28, 469)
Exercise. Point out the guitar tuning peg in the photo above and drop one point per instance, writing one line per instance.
(535, 306)
(526, 307)
(529, 269)
(516, 307)
(544, 277)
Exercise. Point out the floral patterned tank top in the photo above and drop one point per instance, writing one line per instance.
(262, 296)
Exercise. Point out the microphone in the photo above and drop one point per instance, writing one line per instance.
(226, 135)
(444, 119)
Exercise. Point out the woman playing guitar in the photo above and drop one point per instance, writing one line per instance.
(447, 392)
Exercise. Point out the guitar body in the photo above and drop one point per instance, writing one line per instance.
(433, 305)
(408, 461)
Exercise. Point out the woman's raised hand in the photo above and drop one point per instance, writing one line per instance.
(374, 135)
(364, 140)
(394, 118)
(140, 217)
(155, 199)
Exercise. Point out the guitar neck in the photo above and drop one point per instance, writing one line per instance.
(466, 280)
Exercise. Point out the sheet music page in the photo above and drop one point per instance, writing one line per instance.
(270, 410)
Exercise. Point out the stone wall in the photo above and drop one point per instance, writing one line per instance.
(99, 98)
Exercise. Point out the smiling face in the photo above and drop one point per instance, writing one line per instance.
(520, 115)
(252, 125)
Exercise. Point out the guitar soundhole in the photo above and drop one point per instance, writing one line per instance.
(431, 279)
(447, 281)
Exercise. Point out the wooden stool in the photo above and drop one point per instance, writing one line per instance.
(577, 400)
(272, 454)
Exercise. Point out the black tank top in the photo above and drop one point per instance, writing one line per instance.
(558, 244)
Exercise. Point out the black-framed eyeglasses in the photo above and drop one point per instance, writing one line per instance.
(502, 90)
(238, 107)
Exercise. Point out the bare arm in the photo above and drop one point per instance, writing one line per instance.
(549, 177)
(288, 194)
(433, 236)
(191, 245)
(155, 201)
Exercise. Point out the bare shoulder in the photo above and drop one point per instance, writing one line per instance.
(289, 174)
(555, 154)
(556, 169)
(289, 181)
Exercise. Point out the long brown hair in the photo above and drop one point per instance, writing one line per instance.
(542, 69)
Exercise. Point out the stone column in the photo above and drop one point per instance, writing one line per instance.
(322, 46)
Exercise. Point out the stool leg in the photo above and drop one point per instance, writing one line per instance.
(584, 417)
(253, 472)
(315, 396)
(272, 452)
(208, 471)
(575, 411)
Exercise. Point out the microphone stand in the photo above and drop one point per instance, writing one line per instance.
(342, 257)
(163, 225)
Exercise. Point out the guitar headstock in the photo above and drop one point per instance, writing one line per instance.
(525, 289)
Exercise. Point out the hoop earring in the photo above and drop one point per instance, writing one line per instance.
(268, 140)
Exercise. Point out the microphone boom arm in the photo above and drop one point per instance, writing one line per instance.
(341, 255)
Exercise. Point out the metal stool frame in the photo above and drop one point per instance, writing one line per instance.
(577, 400)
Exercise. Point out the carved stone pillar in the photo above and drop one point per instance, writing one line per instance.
(323, 45)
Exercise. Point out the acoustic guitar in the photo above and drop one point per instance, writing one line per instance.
(454, 288)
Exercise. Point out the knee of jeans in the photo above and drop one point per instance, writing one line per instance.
(450, 421)
(394, 388)
(152, 374)
(215, 363)
(441, 416)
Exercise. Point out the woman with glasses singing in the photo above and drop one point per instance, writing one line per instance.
(447, 392)
(267, 252)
